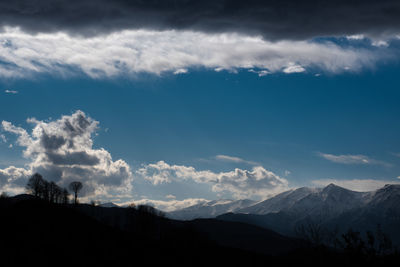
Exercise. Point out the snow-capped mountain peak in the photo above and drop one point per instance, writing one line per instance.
(210, 209)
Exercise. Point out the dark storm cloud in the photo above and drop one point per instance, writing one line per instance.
(274, 19)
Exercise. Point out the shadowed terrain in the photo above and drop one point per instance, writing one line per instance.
(35, 231)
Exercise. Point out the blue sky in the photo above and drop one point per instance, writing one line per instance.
(174, 115)
(280, 121)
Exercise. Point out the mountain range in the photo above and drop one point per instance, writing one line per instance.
(331, 208)
(111, 234)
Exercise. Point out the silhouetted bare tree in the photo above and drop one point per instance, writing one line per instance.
(48, 191)
(65, 196)
(45, 190)
(384, 243)
(55, 193)
(35, 184)
(58, 194)
(311, 231)
(75, 187)
(52, 192)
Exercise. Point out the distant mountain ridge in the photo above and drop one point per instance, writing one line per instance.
(332, 199)
(210, 209)
(109, 205)
(332, 207)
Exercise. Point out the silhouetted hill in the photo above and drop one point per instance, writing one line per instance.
(108, 205)
(21, 197)
(35, 232)
(246, 236)
(228, 234)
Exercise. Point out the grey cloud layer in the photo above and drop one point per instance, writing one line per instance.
(274, 19)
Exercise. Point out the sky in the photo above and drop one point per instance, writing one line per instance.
(174, 103)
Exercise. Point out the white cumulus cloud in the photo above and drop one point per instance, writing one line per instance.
(255, 183)
(13, 179)
(62, 151)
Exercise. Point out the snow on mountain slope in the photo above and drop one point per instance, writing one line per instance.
(386, 201)
(328, 202)
(318, 203)
(389, 194)
(209, 209)
(279, 202)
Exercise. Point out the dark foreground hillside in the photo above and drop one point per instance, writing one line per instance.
(34, 232)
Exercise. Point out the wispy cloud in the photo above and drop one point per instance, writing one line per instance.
(234, 159)
(11, 92)
(352, 159)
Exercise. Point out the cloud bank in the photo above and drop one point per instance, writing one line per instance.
(132, 52)
(275, 20)
(256, 183)
(62, 151)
